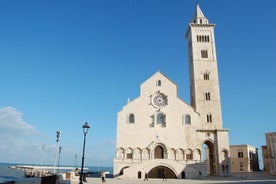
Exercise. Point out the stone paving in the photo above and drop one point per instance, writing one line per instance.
(173, 181)
(239, 178)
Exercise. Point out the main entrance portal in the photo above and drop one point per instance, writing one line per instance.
(160, 171)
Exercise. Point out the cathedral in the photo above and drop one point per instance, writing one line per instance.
(160, 135)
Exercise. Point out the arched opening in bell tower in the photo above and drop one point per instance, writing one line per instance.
(210, 157)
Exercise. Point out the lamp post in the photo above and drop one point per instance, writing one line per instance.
(57, 140)
(85, 128)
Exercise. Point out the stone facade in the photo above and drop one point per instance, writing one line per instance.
(159, 134)
(244, 158)
(269, 153)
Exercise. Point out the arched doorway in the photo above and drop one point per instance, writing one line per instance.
(210, 157)
(157, 172)
(159, 152)
(139, 175)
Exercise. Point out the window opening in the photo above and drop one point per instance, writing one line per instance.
(189, 156)
(159, 152)
(207, 96)
(240, 154)
(206, 76)
(158, 83)
(161, 118)
(204, 54)
(241, 166)
(209, 118)
(131, 118)
(187, 119)
(129, 155)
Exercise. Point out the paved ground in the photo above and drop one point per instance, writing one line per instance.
(239, 178)
(173, 181)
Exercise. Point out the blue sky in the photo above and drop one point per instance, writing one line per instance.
(66, 62)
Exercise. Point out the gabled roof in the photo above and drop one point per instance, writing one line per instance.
(159, 73)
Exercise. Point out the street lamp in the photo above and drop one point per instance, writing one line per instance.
(57, 140)
(85, 128)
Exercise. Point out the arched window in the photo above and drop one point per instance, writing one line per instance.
(158, 83)
(131, 118)
(207, 96)
(179, 154)
(129, 153)
(206, 76)
(189, 154)
(146, 154)
(197, 155)
(187, 119)
(137, 153)
(209, 118)
(120, 153)
(161, 118)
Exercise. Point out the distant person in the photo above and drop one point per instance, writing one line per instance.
(164, 176)
(103, 176)
(146, 177)
(76, 172)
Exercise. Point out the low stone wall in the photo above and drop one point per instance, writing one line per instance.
(35, 180)
(29, 181)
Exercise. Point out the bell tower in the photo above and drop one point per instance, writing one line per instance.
(204, 91)
(204, 80)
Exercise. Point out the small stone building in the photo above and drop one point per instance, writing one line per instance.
(244, 158)
(159, 134)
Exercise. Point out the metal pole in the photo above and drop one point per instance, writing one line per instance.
(75, 161)
(58, 158)
(57, 140)
(82, 163)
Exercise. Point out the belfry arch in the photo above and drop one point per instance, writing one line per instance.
(211, 157)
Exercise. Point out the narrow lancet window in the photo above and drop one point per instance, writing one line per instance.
(209, 118)
(158, 83)
(207, 96)
(206, 76)
(131, 118)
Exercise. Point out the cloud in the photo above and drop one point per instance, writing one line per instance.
(18, 139)
(13, 125)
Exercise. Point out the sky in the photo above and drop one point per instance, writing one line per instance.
(67, 62)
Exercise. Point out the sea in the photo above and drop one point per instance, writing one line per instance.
(9, 174)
